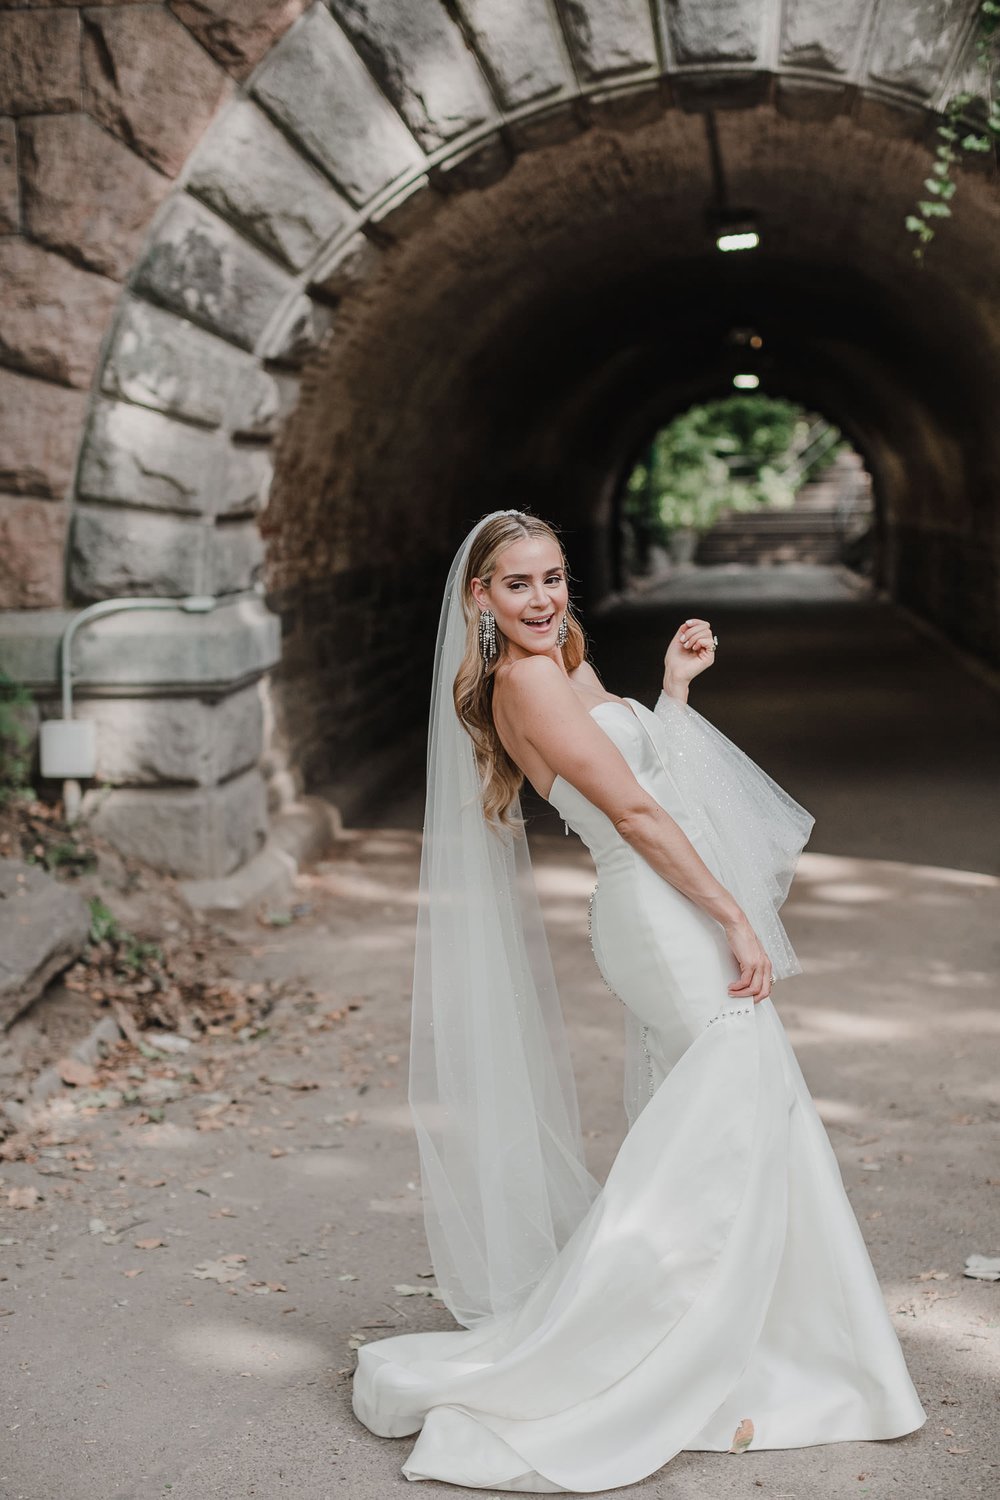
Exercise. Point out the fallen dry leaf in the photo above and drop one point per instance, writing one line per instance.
(216, 1270)
(23, 1197)
(742, 1437)
(152, 1243)
(72, 1071)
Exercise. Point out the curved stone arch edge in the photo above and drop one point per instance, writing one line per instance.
(384, 220)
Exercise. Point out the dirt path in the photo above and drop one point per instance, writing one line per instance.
(284, 1159)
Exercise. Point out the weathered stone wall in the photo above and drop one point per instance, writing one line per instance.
(152, 484)
(450, 257)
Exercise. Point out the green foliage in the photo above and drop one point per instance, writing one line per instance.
(68, 856)
(132, 952)
(15, 759)
(103, 923)
(940, 185)
(736, 453)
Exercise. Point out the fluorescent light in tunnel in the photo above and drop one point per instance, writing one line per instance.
(747, 239)
(746, 382)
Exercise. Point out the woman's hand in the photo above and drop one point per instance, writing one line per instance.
(755, 966)
(690, 651)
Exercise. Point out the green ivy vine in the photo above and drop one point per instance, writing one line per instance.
(941, 185)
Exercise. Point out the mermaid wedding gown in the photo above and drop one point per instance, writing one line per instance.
(719, 1274)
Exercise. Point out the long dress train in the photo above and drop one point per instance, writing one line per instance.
(719, 1274)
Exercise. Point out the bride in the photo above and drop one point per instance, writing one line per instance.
(715, 1292)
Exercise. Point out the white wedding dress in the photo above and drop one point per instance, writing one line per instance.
(720, 1273)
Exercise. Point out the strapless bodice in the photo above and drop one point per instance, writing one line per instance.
(640, 738)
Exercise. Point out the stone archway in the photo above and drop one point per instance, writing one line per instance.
(425, 257)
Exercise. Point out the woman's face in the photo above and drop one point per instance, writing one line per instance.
(529, 585)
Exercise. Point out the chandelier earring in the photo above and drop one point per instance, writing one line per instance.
(563, 631)
(487, 636)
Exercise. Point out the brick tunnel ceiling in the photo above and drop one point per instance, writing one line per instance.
(518, 345)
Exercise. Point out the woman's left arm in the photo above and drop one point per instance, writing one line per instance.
(689, 653)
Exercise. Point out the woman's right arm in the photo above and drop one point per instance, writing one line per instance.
(551, 717)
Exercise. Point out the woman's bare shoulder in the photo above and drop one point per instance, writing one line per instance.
(528, 680)
(585, 674)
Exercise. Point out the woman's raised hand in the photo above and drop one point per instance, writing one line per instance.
(755, 966)
(690, 651)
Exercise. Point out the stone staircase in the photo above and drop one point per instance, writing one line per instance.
(829, 512)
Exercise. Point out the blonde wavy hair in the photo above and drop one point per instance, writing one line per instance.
(473, 688)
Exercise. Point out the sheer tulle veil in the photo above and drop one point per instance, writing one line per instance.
(491, 1087)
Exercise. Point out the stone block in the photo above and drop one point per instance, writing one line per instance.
(811, 98)
(237, 557)
(39, 431)
(611, 37)
(477, 167)
(238, 33)
(85, 194)
(44, 925)
(32, 548)
(625, 108)
(116, 551)
(202, 833)
(299, 335)
(910, 46)
(822, 36)
(406, 211)
(55, 315)
(254, 402)
(200, 268)
(348, 267)
(140, 457)
(422, 63)
(146, 651)
(10, 207)
(317, 87)
(729, 31)
(246, 482)
(522, 48)
(159, 360)
(552, 126)
(248, 172)
(180, 740)
(149, 82)
(720, 89)
(39, 62)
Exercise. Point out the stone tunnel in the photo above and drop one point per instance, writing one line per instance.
(295, 293)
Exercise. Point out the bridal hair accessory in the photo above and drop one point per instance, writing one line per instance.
(491, 1086)
(487, 636)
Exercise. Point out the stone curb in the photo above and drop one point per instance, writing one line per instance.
(302, 832)
(48, 1082)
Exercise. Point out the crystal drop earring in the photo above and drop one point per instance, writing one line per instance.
(487, 636)
(562, 632)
